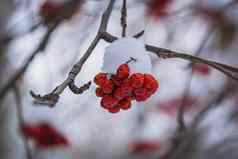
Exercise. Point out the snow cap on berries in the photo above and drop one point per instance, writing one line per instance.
(123, 50)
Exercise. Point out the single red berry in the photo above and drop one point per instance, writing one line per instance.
(127, 88)
(100, 78)
(125, 104)
(109, 102)
(158, 8)
(99, 92)
(117, 81)
(123, 71)
(150, 83)
(119, 93)
(137, 80)
(107, 87)
(141, 94)
(115, 109)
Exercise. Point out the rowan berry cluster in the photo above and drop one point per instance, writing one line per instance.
(119, 90)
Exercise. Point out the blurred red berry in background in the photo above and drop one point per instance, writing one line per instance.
(158, 8)
(201, 69)
(44, 135)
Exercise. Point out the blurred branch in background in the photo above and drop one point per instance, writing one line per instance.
(41, 47)
(54, 22)
(20, 118)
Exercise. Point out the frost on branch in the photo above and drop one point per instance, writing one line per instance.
(123, 50)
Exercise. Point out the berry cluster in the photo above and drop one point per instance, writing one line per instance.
(118, 90)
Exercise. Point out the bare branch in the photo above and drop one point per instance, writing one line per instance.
(230, 71)
(123, 18)
(105, 17)
(20, 117)
(165, 53)
(180, 117)
(79, 90)
(138, 35)
(52, 98)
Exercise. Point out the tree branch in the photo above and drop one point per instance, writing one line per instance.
(180, 117)
(20, 117)
(123, 18)
(230, 71)
(52, 97)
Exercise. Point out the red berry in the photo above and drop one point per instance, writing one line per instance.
(150, 83)
(99, 92)
(125, 104)
(100, 78)
(158, 8)
(109, 102)
(119, 93)
(141, 94)
(117, 81)
(49, 11)
(44, 134)
(50, 8)
(123, 71)
(137, 80)
(107, 87)
(201, 69)
(127, 88)
(115, 109)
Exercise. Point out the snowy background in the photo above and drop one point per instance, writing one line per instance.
(92, 131)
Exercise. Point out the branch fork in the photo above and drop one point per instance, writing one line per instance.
(53, 97)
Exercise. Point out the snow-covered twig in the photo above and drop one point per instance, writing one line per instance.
(160, 52)
(230, 71)
(181, 111)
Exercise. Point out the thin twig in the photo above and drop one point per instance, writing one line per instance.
(124, 18)
(230, 71)
(52, 98)
(181, 128)
(181, 111)
(79, 90)
(184, 143)
(138, 35)
(20, 117)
